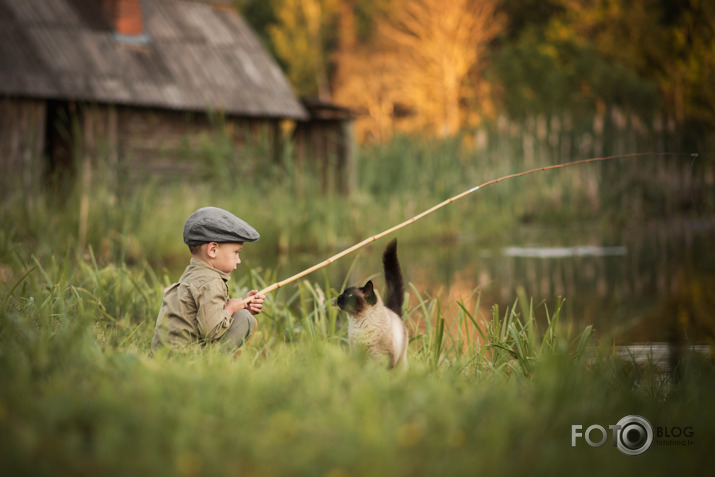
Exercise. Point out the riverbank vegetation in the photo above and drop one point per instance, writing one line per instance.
(394, 181)
(81, 394)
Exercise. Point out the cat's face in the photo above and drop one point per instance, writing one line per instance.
(355, 299)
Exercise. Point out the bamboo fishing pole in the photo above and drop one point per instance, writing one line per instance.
(417, 217)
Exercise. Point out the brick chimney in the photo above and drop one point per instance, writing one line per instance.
(126, 19)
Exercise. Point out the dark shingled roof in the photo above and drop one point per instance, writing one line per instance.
(198, 56)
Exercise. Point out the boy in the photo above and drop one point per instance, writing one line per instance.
(197, 309)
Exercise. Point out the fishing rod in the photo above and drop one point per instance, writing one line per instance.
(417, 217)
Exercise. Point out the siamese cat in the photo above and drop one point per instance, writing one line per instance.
(376, 326)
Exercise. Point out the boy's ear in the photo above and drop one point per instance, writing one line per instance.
(211, 248)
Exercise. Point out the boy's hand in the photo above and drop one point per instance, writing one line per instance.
(234, 304)
(256, 304)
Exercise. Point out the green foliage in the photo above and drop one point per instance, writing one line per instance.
(82, 396)
(554, 75)
(301, 37)
(259, 14)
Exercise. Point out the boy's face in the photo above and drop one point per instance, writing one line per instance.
(224, 256)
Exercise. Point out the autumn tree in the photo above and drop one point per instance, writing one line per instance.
(439, 46)
(425, 58)
(419, 65)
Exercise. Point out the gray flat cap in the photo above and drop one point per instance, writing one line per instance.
(211, 224)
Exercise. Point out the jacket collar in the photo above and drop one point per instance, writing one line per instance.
(197, 262)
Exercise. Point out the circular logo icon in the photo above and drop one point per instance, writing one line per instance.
(634, 436)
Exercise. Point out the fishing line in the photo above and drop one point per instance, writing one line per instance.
(449, 201)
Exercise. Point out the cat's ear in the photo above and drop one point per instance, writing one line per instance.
(369, 293)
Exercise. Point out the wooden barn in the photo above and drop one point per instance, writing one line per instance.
(144, 85)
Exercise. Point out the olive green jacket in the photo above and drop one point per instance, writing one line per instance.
(192, 310)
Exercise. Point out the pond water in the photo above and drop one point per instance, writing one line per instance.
(650, 284)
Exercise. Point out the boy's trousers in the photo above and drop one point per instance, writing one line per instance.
(243, 326)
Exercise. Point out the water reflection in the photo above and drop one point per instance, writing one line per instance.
(651, 284)
(563, 252)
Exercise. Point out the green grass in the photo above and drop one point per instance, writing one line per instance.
(80, 394)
